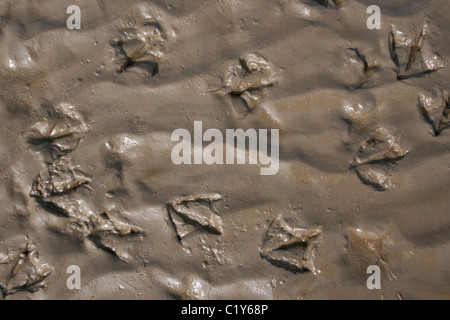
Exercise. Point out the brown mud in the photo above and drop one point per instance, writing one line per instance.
(87, 178)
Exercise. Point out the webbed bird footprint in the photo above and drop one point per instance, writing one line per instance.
(24, 270)
(436, 114)
(59, 178)
(192, 213)
(193, 287)
(281, 242)
(102, 229)
(411, 54)
(379, 149)
(62, 130)
(368, 67)
(142, 46)
(249, 79)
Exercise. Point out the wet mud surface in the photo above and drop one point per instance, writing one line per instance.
(364, 149)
